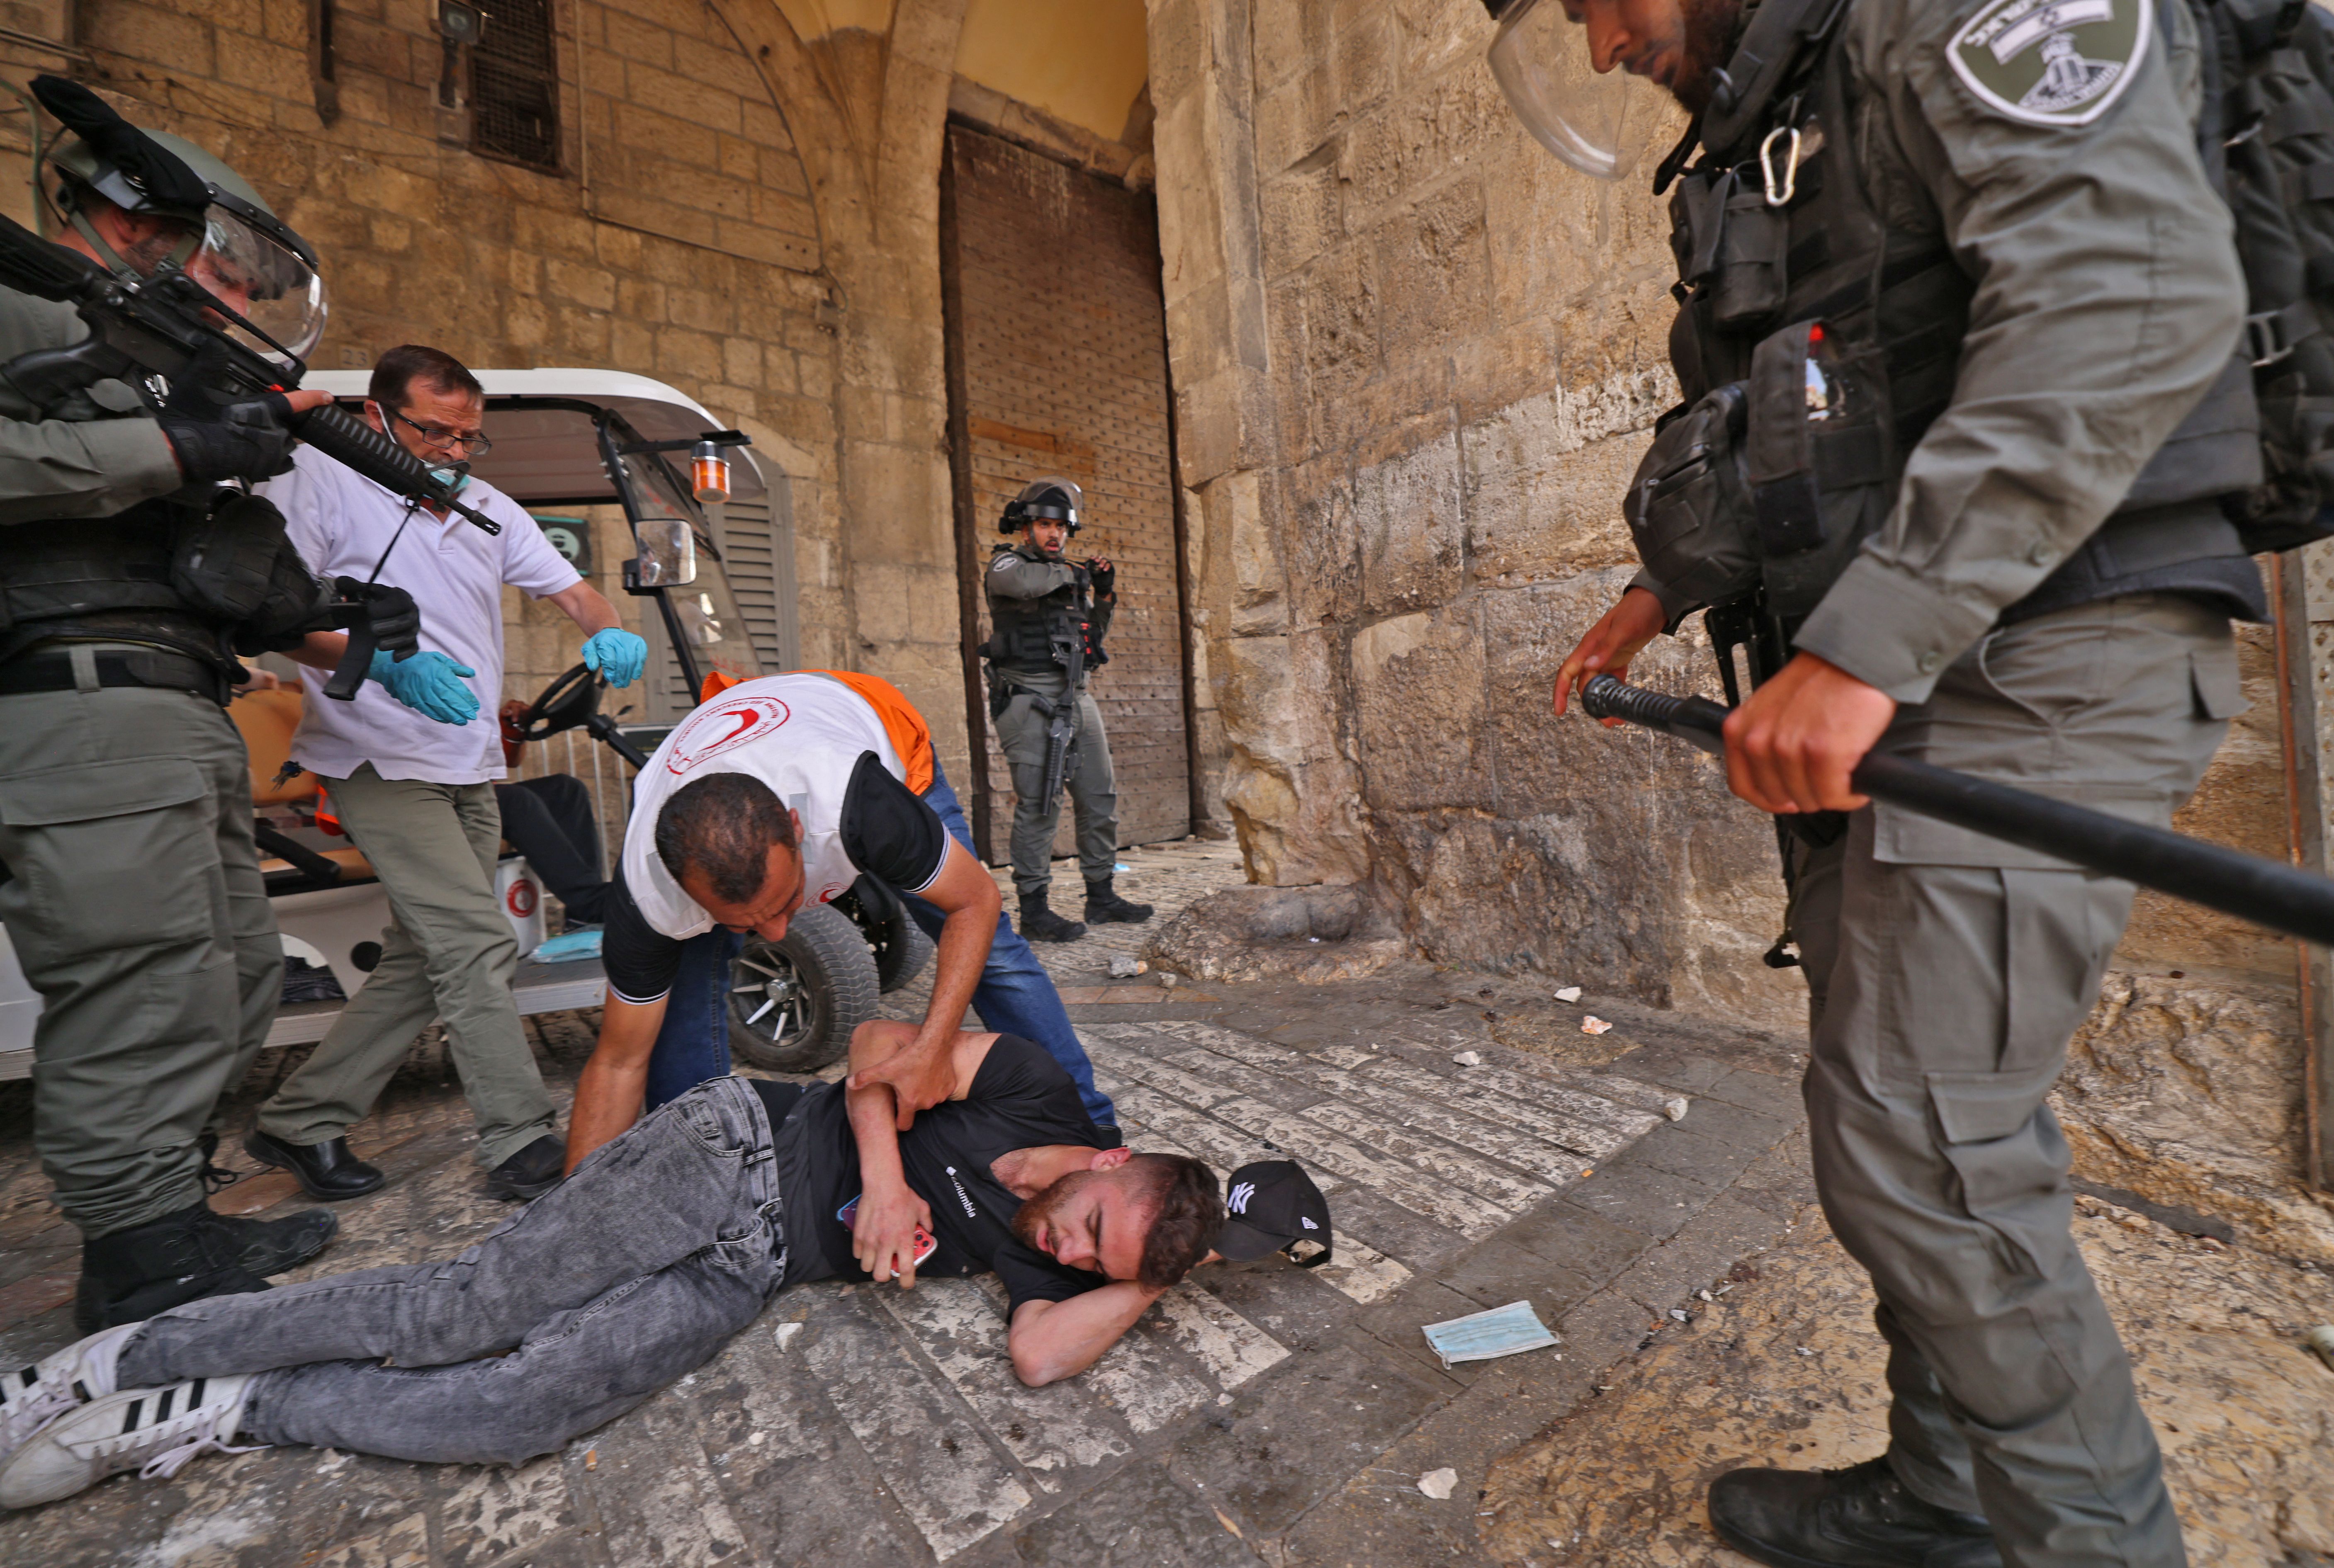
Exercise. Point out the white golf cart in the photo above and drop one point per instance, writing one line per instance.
(579, 439)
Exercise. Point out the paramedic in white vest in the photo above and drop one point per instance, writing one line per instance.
(774, 795)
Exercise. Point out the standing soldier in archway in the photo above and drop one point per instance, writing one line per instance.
(1047, 641)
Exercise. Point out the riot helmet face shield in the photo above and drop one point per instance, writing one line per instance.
(262, 279)
(1579, 108)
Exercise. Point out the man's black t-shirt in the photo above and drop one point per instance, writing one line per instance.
(888, 832)
(1020, 1099)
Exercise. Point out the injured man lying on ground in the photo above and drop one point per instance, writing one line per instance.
(663, 1244)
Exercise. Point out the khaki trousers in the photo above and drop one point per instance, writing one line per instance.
(1091, 783)
(132, 895)
(1946, 973)
(449, 954)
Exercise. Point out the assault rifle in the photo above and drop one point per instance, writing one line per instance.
(1062, 723)
(170, 326)
(2282, 898)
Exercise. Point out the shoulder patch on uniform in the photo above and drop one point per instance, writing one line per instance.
(1003, 561)
(2051, 61)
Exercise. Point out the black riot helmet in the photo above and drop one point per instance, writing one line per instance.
(1050, 496)
(232, 240)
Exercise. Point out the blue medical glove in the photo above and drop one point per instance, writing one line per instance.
(427, 684)
(618, 654)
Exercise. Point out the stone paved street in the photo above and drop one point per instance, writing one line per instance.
(1261, 1413)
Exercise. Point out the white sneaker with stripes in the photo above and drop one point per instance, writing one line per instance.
(30, 1397)
(154, 1432)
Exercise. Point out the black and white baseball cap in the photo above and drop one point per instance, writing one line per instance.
(1272, 1205)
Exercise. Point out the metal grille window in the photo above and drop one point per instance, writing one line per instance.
(515, 85)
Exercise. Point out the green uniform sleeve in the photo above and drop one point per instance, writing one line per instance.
(2109, 297)
(1013, 576)
(110, 457)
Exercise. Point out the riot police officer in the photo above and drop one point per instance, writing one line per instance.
(1048, 636)
(133, 570)
(1957, 310)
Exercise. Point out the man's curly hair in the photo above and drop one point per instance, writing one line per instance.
(1189, 1210)
(722, 828)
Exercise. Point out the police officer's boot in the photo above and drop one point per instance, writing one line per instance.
(1040, 924)
(1103, 905)
(1859, 1518)
(131, 1275)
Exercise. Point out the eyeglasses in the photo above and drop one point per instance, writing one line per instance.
(446, 440)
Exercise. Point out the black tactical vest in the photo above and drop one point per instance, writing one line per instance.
(1821, 343)
(103, 577)
(1027, 629)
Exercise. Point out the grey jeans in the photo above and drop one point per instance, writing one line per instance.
(634, 1271)
(1946, 972)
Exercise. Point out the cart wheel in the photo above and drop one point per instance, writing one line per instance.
(792, 1003)
(905, 952)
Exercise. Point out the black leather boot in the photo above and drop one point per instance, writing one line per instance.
(130, 1274)
(531, 1172)
(325, 1170)
(1859, 1518)
(1103, 905)
(1040, 924)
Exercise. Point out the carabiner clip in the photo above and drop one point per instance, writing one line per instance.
(1790, 171)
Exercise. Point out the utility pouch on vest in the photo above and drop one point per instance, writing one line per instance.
(223, 560)
(1815, 431)
(1689, 507)
(1728, 241)
(1751, 282)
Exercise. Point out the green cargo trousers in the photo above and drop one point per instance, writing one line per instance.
(447, 953)
(1093, 786)
(1946, 972)
(132, 895)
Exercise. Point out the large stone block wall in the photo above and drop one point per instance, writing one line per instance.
(1415, 361)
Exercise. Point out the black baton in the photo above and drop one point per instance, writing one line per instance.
(2282, 898)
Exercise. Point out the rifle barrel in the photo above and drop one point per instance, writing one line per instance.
(2282, 898)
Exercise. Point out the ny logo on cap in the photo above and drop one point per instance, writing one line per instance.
(1241, 1193)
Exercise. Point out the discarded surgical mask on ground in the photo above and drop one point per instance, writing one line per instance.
(1503, 1330)
(573, 944)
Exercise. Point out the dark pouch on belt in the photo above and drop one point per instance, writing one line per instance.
(1689, 507)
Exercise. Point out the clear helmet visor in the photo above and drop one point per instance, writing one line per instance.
(261, 280)
(1542, 60)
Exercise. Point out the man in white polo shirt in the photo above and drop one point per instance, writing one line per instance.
(410, 767)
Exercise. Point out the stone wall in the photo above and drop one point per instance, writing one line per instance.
(1416, 359)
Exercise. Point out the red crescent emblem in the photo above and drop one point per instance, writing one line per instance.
(721, 727)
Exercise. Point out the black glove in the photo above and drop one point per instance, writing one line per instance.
(246, 440)
(1103, 575)
(395, 618)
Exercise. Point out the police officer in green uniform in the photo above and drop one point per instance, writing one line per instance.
(132, 571)
(1957, 313)
(1039, 604)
